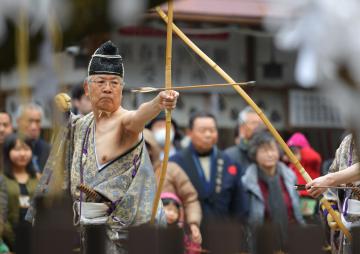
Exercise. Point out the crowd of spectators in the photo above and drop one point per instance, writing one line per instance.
(249, 182)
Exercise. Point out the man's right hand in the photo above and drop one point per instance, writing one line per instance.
(168, 99)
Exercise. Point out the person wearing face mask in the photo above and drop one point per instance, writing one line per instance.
(158, 128)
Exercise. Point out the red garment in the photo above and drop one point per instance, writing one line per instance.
(311, 161)
(190, 246)
(286, 197)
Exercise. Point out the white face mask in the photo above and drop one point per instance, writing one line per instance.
(159, 136)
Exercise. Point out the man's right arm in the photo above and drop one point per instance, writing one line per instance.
(134, 121)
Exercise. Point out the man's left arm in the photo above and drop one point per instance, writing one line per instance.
(136, 120)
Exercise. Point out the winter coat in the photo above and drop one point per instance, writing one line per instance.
(256, 200)
(239, 154)
(225, 197)
(310, 159)
(9, 204)
(177, 182)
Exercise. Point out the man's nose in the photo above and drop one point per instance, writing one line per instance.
(107, 89)
(33, 125)
(270, 153)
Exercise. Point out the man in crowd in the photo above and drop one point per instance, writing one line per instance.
(6, 129)
(81, 102)
(248, 122)
(108, 155)
(28, 119)
(213, 174)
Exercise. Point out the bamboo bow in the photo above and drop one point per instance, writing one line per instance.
(256, 108)
(167, 112)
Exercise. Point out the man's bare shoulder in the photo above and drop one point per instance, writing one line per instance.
(122, 112)
(124, 116)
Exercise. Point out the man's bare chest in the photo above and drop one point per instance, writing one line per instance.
(110, 145)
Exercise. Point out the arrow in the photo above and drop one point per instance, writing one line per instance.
(149, 89)
(303, 187)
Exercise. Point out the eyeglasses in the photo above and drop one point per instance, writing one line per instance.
(102, 82)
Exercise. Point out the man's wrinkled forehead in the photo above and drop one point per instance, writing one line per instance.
(31, 114)
(105, 77)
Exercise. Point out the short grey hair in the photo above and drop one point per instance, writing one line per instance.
(32, 106)
(89, 78)
(243, 114)
(260, 137)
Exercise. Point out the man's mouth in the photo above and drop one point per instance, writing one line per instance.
(105, 98)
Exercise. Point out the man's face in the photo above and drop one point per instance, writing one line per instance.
(252, 122)
(30, 123)
(204, 134)
(5, 126)
(105, 92)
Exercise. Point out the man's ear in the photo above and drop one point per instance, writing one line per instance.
(86, 87)
(241, 130)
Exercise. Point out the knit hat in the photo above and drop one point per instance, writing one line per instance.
(172, 196)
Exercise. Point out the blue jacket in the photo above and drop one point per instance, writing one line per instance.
(224, 196)
(256, 200)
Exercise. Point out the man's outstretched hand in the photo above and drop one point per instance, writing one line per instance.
(168, 99)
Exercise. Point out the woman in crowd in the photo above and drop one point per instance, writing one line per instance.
(17, 185)
(270, 185)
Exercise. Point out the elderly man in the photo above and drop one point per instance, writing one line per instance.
(213, 174)
(248, 122)
(5, 130)
(108, 155)
(28, 119)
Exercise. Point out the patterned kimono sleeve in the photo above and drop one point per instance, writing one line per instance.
(331, 194)
(340, 156)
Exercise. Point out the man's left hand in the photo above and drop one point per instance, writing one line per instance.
(168, 99)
